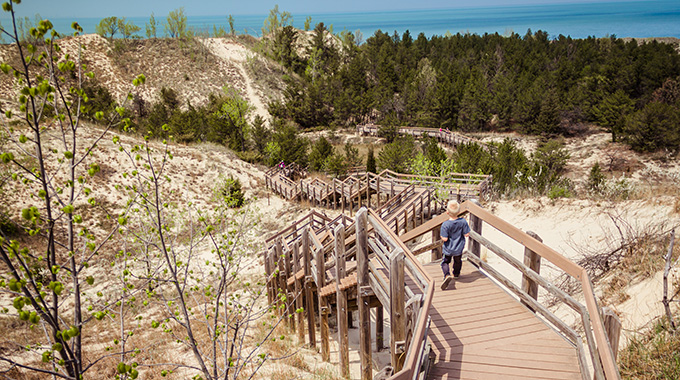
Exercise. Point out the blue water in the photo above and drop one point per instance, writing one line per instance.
(623, 19)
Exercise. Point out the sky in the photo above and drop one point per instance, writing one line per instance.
(135, 8)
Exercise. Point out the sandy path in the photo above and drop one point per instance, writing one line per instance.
(237, 54)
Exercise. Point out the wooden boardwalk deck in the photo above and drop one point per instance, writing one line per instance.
(479, 331)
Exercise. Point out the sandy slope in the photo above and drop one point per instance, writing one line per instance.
(238, 54)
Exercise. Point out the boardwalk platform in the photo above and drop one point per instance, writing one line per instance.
(479, 331)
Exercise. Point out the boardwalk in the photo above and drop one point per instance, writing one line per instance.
(479, 331)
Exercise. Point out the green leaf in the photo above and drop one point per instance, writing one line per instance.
(67, 209)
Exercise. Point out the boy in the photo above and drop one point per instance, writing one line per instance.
(453, 233)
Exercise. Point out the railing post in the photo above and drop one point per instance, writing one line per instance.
(281, 279)
(298, 294)
(378, 191)
(397, 305)
(335, 197)
(379, 328)
(612, 326)
(436, 237)
(268, 272)
(308, 288)
(363, 295)
(533, 261)
(342, 196)
(341, 295)
(273, 279)
(290, 310)
(475, 225)
(324, 310)
(368, 190)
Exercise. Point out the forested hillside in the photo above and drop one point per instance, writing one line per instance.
(530, 84)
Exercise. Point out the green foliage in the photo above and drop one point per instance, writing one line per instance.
(260, 135)
(320, 151)
(558, 191)
(335, 165)
(232, 120)
(276, 20)
(108, 27)
(287, 145)
(612, 111)
(128, 29)
(228, 190)
(396, 156)
(434, 153)
(352, 155)
(370, 161)
(529, 84)
(596, 179)
(656, 126)
(230, 20)
(151, 27)
(308, 23)
(176, 24)
(549, 161)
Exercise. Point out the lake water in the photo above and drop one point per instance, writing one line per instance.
(623, 19)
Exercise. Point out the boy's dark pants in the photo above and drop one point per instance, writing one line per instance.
(457, 264)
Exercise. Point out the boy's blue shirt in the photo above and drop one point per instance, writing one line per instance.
(455, 231)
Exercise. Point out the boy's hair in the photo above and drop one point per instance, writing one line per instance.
(453, 209)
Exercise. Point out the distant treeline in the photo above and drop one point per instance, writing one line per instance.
(530, 84)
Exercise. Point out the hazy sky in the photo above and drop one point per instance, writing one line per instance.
(138, 8)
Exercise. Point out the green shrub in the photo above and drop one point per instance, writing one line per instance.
(228, 190)
(558, 191)
(596, 180)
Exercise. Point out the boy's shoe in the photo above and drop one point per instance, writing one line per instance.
(446, 282)
(456, 275)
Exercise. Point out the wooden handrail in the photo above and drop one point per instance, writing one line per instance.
(411, 365)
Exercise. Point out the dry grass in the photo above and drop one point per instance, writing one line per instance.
(654, 354)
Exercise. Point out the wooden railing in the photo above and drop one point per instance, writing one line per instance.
(387, 277)
(601, 357)
(442, 135)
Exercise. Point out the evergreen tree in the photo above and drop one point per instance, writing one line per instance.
(370, 161)
(321, 150)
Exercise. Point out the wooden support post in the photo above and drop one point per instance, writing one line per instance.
(533, 261)
(391, 189)
(405, 220)
(298, 294)
(363, 298)
(378, 191)
(379, 328)
(341, 296)
(335, 197)
(413, 215)
(290, 310)
(359, 191)
(612, 326)
(342, 197)
(324, 307)
(351, 200)
(281, 279)
(368, 191)
(422, 212)
(397, 314)
(309, 304)
(436, 237)
(268, 272)
(273, 280)
(475, 225)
